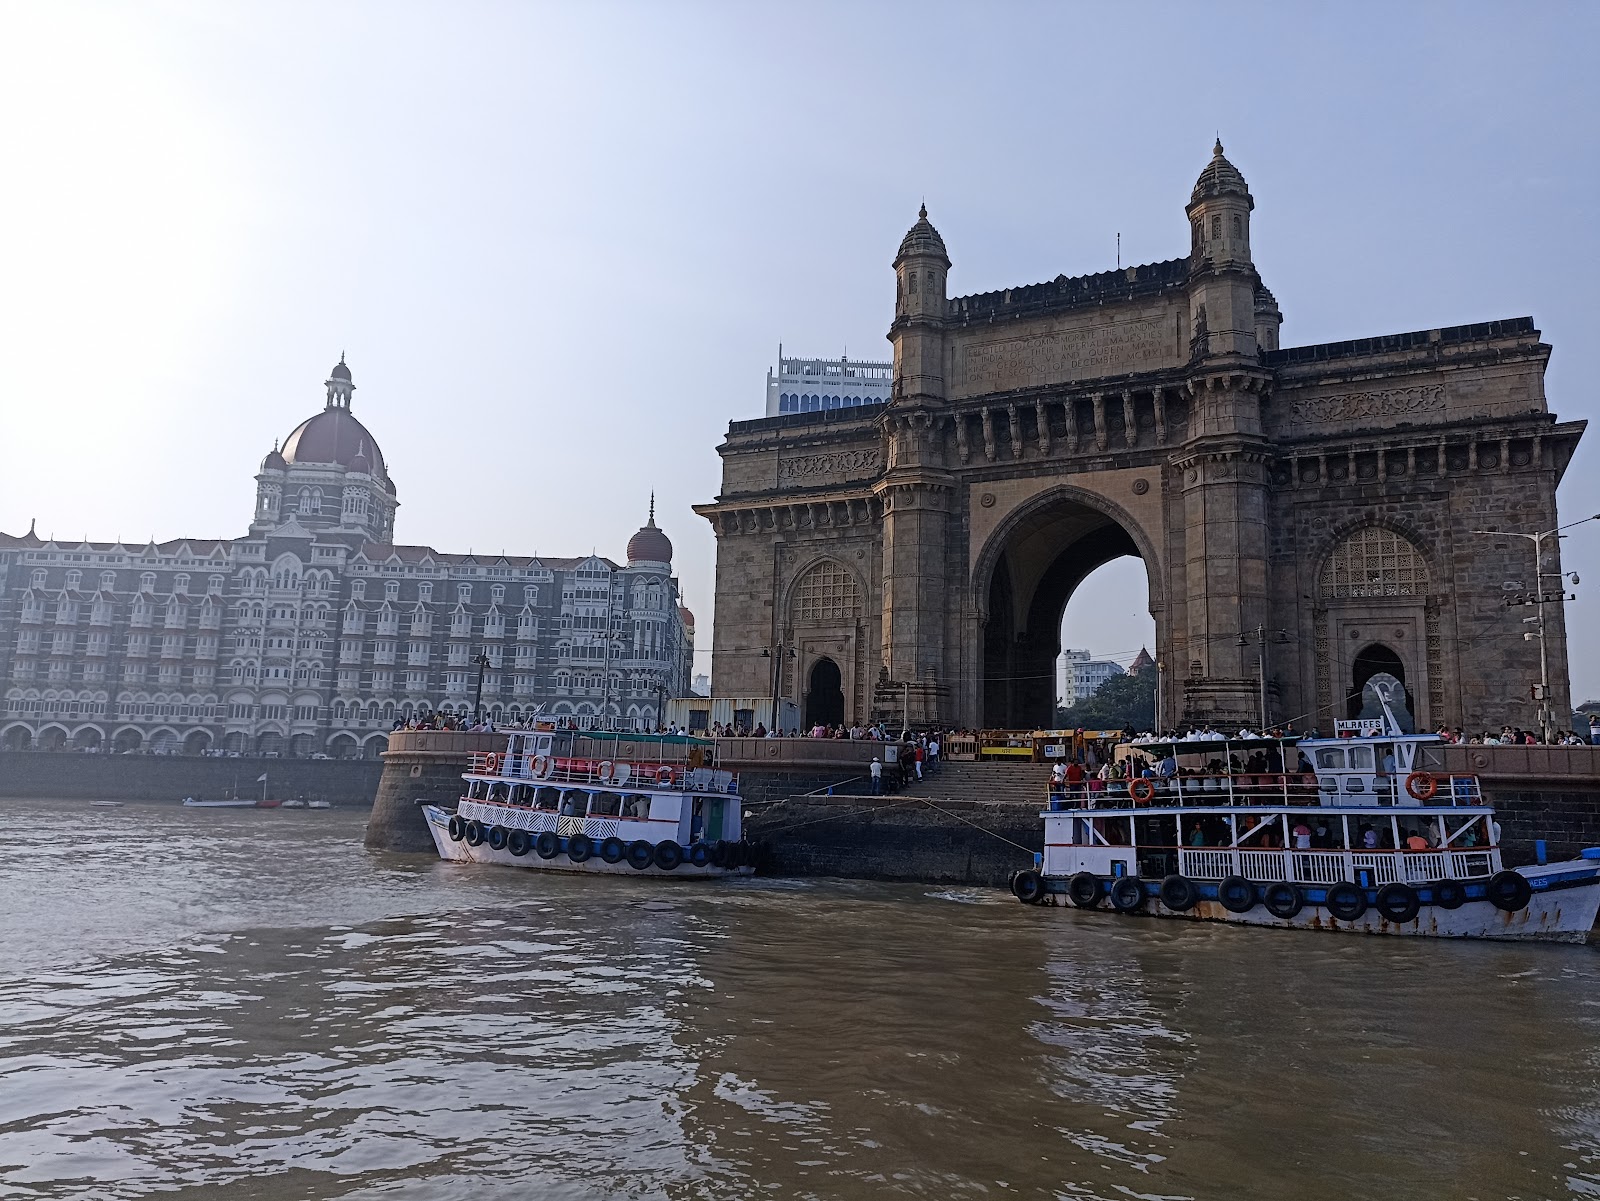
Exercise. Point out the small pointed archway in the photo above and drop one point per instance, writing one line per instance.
(825, 694)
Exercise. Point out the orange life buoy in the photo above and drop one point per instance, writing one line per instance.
(605, 771)
(1422, 785)
(1141, 789)
(664, 776)
(493, 764)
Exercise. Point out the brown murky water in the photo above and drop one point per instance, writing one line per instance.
(247, 1005)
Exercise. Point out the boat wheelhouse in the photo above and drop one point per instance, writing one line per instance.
(1350, 833)
(589, 801)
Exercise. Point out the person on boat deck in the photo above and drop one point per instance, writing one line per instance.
(1320, 836)
(1302, 836)
(1369, 837)
(1058, 777)
(1415, 841)
(1168, 767)
(697, 822)
(1197, 836)
(1074, 773)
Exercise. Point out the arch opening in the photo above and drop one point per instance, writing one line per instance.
(1039, 564)
(1371, 664)
(825, 696)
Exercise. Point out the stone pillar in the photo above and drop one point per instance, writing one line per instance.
(1159, 399)
(1041, 415)
(1130, 424)
(1100, 434)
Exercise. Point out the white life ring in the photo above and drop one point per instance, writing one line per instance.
(605, 771)
(664, 776)
(541, 767)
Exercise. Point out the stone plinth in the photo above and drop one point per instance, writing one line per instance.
(421, 767)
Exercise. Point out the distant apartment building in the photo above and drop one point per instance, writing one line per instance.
(1079, 675)
(315, 631)
(812, 385)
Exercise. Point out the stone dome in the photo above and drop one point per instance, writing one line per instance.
(650, 545)
(333, 436)
(1219, 178)
(922, 238)
(687, 616)
(340, 371)
(274, 460)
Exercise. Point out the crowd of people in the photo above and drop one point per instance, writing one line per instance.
(1512, 736)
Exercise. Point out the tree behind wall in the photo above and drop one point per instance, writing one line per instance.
(1125, 700)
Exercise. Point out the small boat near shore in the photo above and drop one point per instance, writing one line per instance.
(190, 802)
(1348, 833)
(593, 802)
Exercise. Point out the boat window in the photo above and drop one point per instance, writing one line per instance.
(573, 802)
(1355, 784)
(636, 805)
(475, 789)
(547, 798)
(520, 794)
(1361, 758)
(1330, 758)
(606, 804)
(497, 791)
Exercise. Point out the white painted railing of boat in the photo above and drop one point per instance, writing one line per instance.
(1255, 788)
(1329, 867)
(603, 772)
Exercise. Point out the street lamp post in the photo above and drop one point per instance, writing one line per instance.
(1539, 577)
(777, 656)
(482, 661)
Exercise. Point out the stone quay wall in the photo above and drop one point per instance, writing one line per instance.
(69, 775)
(421, 767)
(959, 842)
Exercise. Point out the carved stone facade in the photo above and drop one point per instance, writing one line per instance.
(1318, 507)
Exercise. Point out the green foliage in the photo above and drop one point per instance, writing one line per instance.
(1125, 700)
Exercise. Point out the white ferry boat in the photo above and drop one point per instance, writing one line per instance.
(581, 801)
(1349, 833)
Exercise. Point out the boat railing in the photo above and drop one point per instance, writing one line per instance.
(605, 773)
(1322, 867)
(1254, 788)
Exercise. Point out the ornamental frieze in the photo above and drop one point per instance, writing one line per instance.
(1365, 406)
(839, 464)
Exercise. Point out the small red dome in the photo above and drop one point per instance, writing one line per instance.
(686, 615)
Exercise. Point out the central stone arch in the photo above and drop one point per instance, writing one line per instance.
(1026, 573)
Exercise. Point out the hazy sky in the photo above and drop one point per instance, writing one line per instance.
(560, 244)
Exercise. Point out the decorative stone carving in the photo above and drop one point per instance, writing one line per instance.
(814, 469)
(1058, 357)
(1141, 486)
(1363, 406)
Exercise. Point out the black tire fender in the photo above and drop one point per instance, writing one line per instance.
(497, 838)
(1345, 901)
(1027, 886)
(547, 845)
(1237, 894)
(699, 855)
(668, 855)
(1084, 890)
(1449, 894)
(1127, 894)
(518, 843)
(613, 849)
(1398, 903)
(1283, 900)
(457, 828)
(1179, 894)
(640, 854)
(1509, 891)
(474, 833)
(579, 848)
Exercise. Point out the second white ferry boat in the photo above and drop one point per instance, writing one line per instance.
(589, 801)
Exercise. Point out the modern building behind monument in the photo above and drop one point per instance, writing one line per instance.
(820, 385)
(1306, 515)
(316, 631)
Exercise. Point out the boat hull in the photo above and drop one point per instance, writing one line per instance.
(1563, 908)
(463, 852)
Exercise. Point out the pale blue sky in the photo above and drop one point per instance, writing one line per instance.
(560, 244)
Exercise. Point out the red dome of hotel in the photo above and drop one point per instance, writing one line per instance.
(650, 545)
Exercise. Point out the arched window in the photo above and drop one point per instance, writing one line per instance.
(1238, 228)
(826, 595)
(1373, 561)
(1216, 227)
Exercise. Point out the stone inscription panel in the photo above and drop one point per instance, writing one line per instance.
(1364, 408)
(1118, 348)
(830, 468)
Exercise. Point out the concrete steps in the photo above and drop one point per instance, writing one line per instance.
(986, 783)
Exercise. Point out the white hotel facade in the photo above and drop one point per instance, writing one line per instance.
(315, 631)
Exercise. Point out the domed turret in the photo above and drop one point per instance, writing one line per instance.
(650, 545)
(1220, 178)
(340, 371)
(274, 460)
(922, 238)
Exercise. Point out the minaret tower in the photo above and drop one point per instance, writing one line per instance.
(339, 385)
(916, 488)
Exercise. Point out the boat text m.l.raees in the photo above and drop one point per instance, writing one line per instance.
(588, 801)
(1331, 834)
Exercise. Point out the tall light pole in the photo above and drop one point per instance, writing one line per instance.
(1539, 577)
(777, 656)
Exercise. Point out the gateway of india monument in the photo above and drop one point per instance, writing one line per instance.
(1308, 516)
